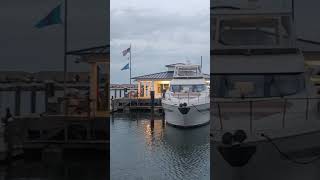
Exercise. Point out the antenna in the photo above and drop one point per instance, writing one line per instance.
(201, 63)
(292, 6)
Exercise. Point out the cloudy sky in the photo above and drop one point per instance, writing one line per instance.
(160, 33)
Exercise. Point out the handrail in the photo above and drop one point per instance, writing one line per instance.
(240, 100)
(251, 106)
(200, 98)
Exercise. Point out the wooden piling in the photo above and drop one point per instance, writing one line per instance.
(46, 97)
(112, 104)
(152, 108)
(33, 100)
(17, 101)
(49, 92)
(163, 119)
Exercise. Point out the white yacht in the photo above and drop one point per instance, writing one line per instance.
(265, 115)
(187, 102)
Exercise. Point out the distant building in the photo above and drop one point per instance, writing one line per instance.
(7, 76)
(42, 76)
(58, 76)
(159, 81)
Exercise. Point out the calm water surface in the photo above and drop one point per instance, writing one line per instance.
(142, 152)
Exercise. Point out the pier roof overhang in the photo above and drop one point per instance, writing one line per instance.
(161, 76)
(93, 54)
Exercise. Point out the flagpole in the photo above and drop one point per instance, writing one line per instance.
(130, 63)
(65, 56)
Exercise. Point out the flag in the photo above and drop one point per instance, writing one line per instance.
(54, 17)
(125, 52)
(125, 67)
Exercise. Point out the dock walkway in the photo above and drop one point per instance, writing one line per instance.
(135, 104)
(35, 132)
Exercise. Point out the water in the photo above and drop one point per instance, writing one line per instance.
(139, 152)
(78, 167)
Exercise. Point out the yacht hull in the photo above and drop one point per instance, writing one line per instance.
(197, 115)
(267, 163)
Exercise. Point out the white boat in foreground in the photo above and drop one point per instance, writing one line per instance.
(265, 113)
(187, 103)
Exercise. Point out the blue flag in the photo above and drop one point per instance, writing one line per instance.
(54, 17)
(125, 67)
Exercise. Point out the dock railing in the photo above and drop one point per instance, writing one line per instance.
(281, 113)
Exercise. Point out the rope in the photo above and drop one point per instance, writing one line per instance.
(286, 156)
(197, 109)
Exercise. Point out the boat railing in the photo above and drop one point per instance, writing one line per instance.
(255, 115)
(200, 97)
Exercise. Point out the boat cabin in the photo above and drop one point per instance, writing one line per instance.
(254, 51)
(160, 82)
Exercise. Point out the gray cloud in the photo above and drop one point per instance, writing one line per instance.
(158, 37)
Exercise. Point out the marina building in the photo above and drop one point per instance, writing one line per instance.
(158, 81)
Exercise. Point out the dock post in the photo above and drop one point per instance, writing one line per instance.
(163, 119)
(33, 99)
(49, 92)
(17, 101)
(7, 140)
(46, 97)
(112, 104)
(152, 108)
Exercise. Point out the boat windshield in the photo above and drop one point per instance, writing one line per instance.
(187, 88)
(257, 86)
(187, 71)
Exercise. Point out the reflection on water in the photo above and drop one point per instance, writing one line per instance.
(75, 167)
(142, 151)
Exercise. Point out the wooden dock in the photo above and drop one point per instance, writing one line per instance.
(79, 128)
(36, 132)
(135, 105)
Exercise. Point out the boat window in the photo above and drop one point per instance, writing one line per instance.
(253, 31)
(188, 88)
(248, 32)
(257, 85)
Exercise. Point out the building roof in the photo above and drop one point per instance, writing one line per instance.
(41, 76)
(167, 75)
